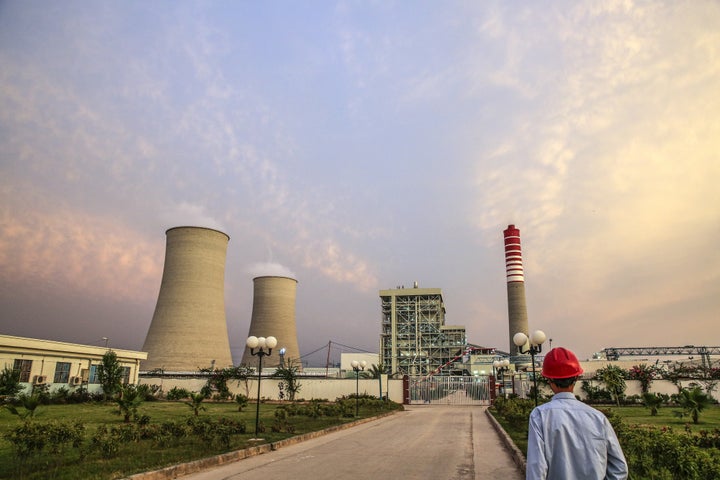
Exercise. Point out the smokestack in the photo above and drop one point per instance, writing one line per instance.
(188, 329)
(517, 309)
(273, 314)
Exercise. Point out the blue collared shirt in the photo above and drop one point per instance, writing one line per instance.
(570, 440)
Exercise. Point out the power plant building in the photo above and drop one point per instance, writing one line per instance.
(414, 338)
(188, 329)
(273, 314)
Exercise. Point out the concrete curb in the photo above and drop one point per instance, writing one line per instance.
(181, 469)
(515, 452)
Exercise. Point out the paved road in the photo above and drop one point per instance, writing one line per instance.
(423, 442)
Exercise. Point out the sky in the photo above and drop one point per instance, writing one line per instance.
(362, 145)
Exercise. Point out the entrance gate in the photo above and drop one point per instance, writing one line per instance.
(449, 390)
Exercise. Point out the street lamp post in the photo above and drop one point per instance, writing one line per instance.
(533, 346)
(502, 366)
(282, 357)
(264, 348)
(357, 366)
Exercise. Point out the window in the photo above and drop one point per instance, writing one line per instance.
(125, 375)
(24, 367)
(62, 372)
(93, 374)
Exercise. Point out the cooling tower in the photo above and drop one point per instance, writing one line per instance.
(517, 309)
(188, 329)
(273, 314)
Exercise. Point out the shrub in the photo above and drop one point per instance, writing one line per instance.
(176, 393)
(32, 437)
(241, 401)
(10, 381)
(595, 394)
(282, 422)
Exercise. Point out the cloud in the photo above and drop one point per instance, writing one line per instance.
(189, 215)
(92, 255)
(269, 269)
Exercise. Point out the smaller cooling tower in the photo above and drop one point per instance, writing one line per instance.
(517, 309)
(273, 314)
(188, 329)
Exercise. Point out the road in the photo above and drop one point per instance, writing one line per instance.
(422, 442)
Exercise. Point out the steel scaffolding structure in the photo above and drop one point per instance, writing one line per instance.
(414, 338)
(614, 353)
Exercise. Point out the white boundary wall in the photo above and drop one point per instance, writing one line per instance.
(310, 387)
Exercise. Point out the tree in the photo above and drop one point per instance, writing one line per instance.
(110, 374)
(288, 384)
(643, 373)
(10, 381)
(614, 379)
(128, 401)
(195, 403)
(693, 402)
(241, 401)
(376, 370)
(28, 402)
(653, 402)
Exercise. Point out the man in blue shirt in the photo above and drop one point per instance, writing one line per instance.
(568, 440)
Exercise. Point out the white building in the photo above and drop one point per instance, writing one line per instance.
(61, 364)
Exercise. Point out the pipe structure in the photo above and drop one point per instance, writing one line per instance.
(188, 329)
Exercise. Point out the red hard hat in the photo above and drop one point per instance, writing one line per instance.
(561, 363)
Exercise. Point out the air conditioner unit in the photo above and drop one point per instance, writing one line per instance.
(40, 379)
(76, 380)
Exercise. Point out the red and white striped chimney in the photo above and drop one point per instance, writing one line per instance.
(513, 255)
(517, 308)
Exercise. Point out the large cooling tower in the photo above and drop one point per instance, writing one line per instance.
(517, 309)
(273, 314)
(188, 329)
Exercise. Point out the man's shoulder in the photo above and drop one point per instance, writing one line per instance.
(568, 403)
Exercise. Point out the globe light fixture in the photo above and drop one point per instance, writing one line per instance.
(264, 348)
(502, 366)
(533, 346)
(357, 366)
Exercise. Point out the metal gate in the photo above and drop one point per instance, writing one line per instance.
(449, 390)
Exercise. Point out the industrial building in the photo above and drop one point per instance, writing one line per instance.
(414, 339)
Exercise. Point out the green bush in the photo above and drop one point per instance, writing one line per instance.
(31, 438)
(656, 453)
(10, 381)
(176, 393)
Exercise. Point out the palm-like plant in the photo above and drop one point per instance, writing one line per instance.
(653, 402)
(195, 403)
(693, 402)
(128, 402)
(376, 370)
(28, 402)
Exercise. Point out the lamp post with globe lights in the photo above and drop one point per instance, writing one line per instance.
(264, 348)
(502, 366)
(282, 357)
(533, 346)
(357, 366)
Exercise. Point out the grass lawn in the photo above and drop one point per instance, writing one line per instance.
(708, 420)
(142, 455)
